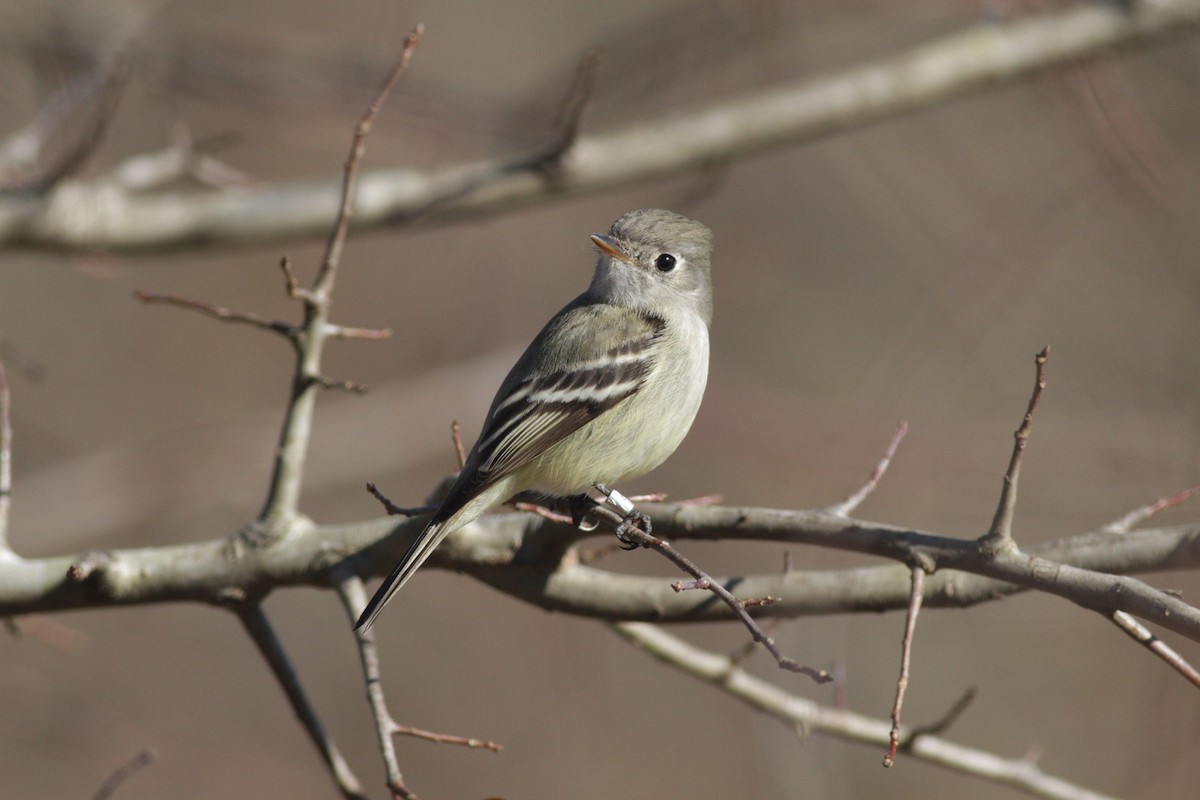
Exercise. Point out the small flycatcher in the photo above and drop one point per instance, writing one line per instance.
(605, 392)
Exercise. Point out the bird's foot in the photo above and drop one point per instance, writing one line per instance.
(631, 518)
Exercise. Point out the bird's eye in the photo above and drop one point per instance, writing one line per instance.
(665, 262)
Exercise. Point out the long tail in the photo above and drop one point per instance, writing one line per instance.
(421, 549)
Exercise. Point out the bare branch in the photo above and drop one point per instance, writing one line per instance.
(636, 535)
(541, 511)
(65, 132)
(283, 497)
(910, 627)
(354, 600)
(343, 332)
(851, 503)
(999, 538)
(337, 239)
(1128, 522)
(181, 158)
(795, 711)
(294, 290)
(259, 627)
(1142, 635)
(201, 571)
(985, 55)
(218, 312)
(394, 510)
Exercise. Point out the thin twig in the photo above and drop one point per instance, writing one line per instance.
(796, 711)
(218, 312)
(66, 131)
(124, 773)
(974, 59)
(393, 509)
(354, 600)
(747, 649)
(263, 635)
(294, 291)
(847, 506)
(323, 284)
(999, 537)
(540, 510)
(1126, 523)
(640, 537)
(910, 627)
(370, 334)
(345, 386)
(1142, 635)
(938, 726)
(283, 497)
(468, 742)
(456, 438)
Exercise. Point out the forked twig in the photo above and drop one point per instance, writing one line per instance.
(354, 600)
(263, 635)
(795, 712)
(635, 535)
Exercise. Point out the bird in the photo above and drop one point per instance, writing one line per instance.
(605, 392)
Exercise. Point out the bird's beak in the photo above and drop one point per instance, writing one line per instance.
(609, 246)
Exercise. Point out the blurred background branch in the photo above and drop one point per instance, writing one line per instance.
(104, 214)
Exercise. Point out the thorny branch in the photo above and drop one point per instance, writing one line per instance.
(799, 712)
(643, 538)
(280, 511)
(354, 600)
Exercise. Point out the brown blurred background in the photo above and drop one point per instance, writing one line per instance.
(906, 271)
